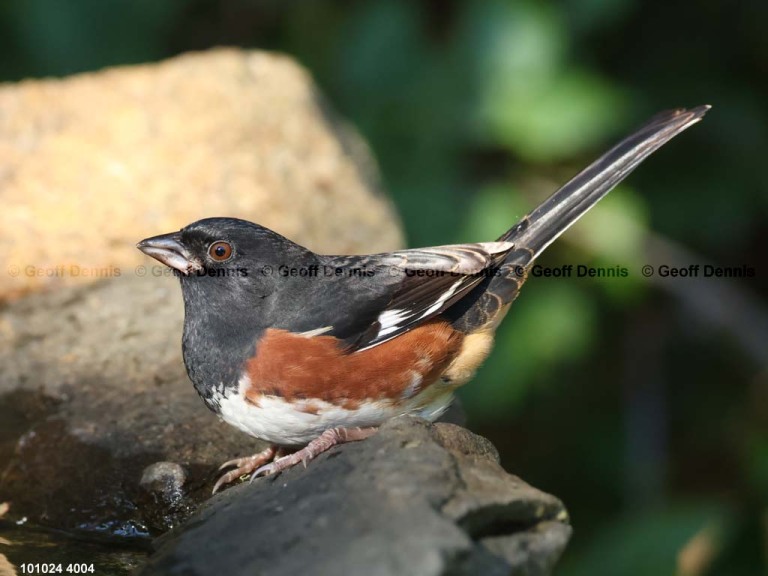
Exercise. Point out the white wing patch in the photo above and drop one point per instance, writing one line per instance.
(442, 300)
(390, 320)
(315, 332)
(393, 320)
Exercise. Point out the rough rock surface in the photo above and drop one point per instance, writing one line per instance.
(414, 499)
(93, 390)
(92, 163)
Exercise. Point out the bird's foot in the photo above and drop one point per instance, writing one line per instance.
(245, 465)
(326, 440)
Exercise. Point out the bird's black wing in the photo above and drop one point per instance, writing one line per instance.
(374, 298)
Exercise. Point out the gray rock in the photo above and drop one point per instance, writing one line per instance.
(166, 479)
(415, 499)
(95, 391)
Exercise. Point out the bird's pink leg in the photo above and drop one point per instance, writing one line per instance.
(326, 440)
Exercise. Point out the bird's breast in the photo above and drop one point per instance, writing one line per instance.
(295, 387)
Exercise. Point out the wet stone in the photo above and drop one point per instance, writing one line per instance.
(415, 498)
(164, 479)
(162, 499)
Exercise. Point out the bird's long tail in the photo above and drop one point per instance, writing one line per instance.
(557, 213)
(487, 305)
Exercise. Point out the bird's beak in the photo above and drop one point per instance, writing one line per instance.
(169, 249)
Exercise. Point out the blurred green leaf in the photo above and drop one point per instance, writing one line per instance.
(531, 100)
(568, 113)
(647, 543)
(67, 37)
(617, 227)
(494, 209)
(613, 236)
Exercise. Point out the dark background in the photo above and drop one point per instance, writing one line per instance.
(641, 404)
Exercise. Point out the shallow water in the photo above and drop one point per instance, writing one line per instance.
(108, 547)
(27, 550)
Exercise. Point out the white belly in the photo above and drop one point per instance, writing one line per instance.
(298, 422)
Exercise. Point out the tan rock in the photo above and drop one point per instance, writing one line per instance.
(93, 163)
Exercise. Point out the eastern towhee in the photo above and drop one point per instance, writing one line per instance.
(307, 351)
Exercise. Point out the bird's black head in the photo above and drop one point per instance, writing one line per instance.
(224, 256)
(229, 278)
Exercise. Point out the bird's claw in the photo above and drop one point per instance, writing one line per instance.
(244, 466)
(265, 470)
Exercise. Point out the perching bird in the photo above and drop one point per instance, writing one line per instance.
(306, 351)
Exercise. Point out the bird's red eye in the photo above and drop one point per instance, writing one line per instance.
(220, 251)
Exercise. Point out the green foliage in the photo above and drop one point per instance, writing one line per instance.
(59, 38)
(533, 101)
(650, 542)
